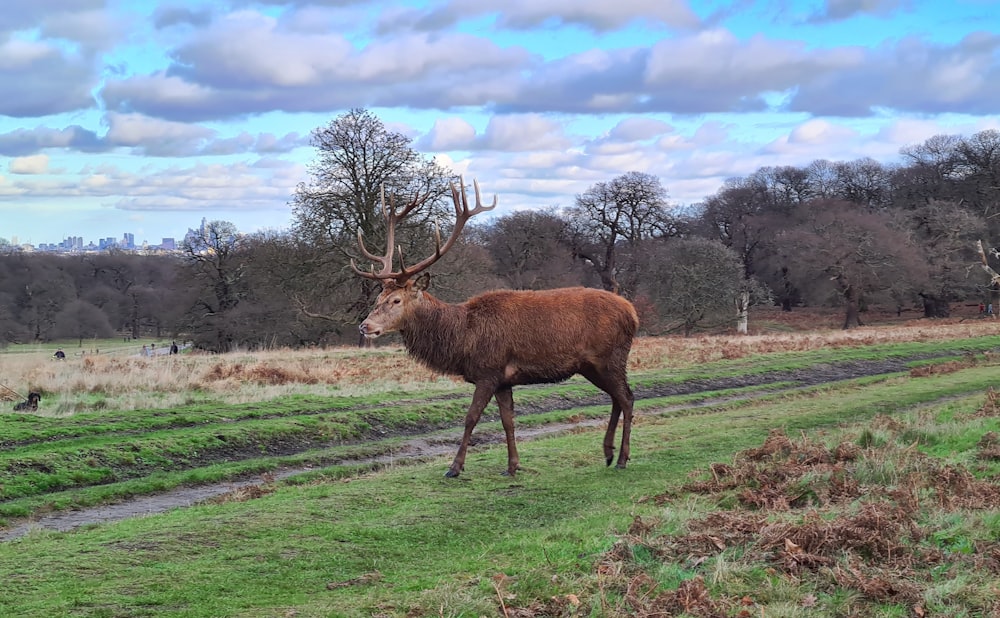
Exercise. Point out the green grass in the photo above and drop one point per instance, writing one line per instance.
(55, 463)
(404, 541)
(74, 346)
(111, 447)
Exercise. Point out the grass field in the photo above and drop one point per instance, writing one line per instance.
(867, 497)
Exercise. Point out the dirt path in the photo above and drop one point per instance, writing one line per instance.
(420, 447)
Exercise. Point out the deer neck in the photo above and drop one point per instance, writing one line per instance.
(433, 334)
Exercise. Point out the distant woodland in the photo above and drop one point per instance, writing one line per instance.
(853, 235)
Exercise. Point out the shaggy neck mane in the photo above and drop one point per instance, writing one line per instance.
(433, 333)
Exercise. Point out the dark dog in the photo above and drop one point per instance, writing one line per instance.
(31, 403)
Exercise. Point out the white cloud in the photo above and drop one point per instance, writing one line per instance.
(20, 54)
(909, 131)
(524, 133)
(811, 138)
(597, 15)
(836, 10)
(449, 134)
(137, 129)
(35, 164)
(638, 128)
(818, 132)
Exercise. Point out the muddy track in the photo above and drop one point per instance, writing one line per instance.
(441, 443)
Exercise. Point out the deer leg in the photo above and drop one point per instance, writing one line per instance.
(609, 435)
(615, 384)
(480, 398)
(624, 452)
(505, 401)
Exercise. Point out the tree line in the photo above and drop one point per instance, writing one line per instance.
(850, 234)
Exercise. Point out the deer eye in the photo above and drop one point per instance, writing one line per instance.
(396, 301)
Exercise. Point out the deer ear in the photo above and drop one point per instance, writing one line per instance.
(422, 282)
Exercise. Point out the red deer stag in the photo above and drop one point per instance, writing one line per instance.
(504, 338)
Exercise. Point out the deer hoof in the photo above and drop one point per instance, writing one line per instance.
(609, 460)
(451, 473)
(620, 466)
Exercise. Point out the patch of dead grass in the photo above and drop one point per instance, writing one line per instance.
(799, 510)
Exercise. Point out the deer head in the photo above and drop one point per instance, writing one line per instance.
(399, 288)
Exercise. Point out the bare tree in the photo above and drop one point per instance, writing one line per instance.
(358, 161)
(81, 320)
(930, 171)
(944, 232)
(609, 221)
(216, 263)
(696, 283)
(737, 217)
(782, 188)
(531, 250)
(979, 168)
(865, 182)
(840, 252)
(42, 286)
(822, 177)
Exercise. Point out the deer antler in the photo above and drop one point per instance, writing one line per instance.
(462, 214)
(392, 217)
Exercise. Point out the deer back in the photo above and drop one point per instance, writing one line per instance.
(523, 336)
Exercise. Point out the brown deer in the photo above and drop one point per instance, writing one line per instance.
(504, 338)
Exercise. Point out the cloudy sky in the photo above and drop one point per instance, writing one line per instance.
(145, 116)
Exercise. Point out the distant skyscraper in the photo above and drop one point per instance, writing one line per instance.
(129, 241)
(168, 244)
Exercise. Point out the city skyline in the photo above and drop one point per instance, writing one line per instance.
(15, 240)
(148, 114)
(151, 237)
(126, 240)
(79, 243)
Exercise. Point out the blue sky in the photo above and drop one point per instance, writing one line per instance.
(146, 116)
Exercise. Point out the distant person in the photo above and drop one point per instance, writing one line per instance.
(982, 308)
(59, 355)
(173, 347)
(145, 350)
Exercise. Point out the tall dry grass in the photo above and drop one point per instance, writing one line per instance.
(118, 381)
(107, 381)
(665, 352)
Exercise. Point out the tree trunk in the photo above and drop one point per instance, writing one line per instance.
(742, 312)
(787, 290)
(134, 317)
(608, 281)
(935, 306)
(853, 315)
